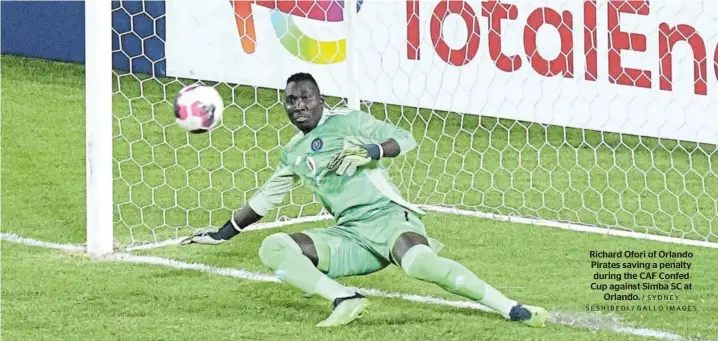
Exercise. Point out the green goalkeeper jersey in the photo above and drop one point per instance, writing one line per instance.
(306, 157)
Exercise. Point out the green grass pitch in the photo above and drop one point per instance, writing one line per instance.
(477, 163)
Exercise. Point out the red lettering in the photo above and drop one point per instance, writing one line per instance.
(496, 11)
(563, 63)
(412, 29)
(466, 53)
(667, 38)
(590, 40)
(619, 41)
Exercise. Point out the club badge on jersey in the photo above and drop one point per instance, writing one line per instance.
(317, 144)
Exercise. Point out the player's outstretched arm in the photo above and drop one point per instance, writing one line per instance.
(264, 200)
(245, 217)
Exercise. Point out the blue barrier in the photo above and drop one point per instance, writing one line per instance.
(55, 30)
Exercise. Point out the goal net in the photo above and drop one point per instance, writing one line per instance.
(579, 114)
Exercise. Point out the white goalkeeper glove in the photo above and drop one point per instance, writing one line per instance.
(206, 236)
(350, 158)
(213, 237)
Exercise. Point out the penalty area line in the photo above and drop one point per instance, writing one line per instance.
(590, 321)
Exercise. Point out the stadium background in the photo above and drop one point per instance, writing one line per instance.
(163, 302)
(57, 32)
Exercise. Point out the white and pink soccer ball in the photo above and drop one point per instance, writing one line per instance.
(198, 108)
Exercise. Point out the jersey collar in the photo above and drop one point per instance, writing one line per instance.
(325, 115)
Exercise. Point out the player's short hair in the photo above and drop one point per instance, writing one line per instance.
(302, 77)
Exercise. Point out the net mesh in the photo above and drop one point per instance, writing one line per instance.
(168, 182)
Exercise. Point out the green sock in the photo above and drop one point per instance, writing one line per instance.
(422, 263)
(280, 253)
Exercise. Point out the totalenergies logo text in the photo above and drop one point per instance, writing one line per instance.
(291, 37)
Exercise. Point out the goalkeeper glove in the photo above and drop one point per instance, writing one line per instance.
(213, 237)
(352, 157)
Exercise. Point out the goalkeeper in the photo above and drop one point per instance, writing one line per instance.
(335, 153)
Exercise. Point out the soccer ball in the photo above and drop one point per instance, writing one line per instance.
(198, 108)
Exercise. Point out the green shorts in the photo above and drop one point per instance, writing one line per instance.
(360, 247)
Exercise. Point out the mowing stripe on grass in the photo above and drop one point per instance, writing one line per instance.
(583, 320)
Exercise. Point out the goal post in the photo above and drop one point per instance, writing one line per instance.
(594, 116)
(98, 126)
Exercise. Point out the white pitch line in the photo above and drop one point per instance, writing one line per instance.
(12, 237)
(572, 226)
(491, 216)
(253, 227)
(148, 246)
(590, 321)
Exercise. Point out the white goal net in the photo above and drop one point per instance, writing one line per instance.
(590, 113)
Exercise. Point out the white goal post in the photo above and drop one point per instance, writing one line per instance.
(98, 126)
(592, 115)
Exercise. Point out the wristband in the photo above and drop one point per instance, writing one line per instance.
(374, 150)
(229, 230)
(234, 224)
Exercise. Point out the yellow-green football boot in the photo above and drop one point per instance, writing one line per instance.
(533, 316)
(345, 310)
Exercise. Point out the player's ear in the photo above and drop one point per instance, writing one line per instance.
(321, 99)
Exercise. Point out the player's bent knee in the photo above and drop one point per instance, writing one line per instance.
(416, 258)
(275, 248)
(421, 262)
(406, 241)
(306, 244)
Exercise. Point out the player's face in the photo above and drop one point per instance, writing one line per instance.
(304, 105)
